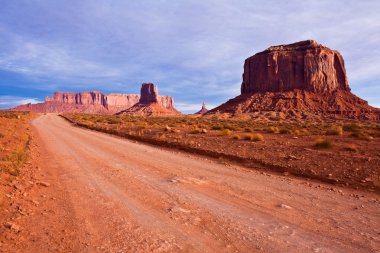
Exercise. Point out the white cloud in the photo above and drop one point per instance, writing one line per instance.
(12, 101)
(186, 47)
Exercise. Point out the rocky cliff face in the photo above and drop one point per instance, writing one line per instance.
(151, 103)
(119, 102)
(299, 80)
(305, 65)
(94, 102)
(149, 93)
(80, 98)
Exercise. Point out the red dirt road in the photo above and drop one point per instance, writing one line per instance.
(108, 194)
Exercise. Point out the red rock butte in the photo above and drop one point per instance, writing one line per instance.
(93, 102)
(151, 104)
(299, 80)
(203, 110)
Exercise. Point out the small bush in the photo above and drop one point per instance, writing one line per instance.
(351, 127)
(351, 148)
(217, 127)
(376, 180)
(361, 136)
(226, 132)
(248, 137)
(195, 131)
(2, 135)
(273, 130)
(297, 132)
(236, 137)
(335, 130)
(285, 131)
(248, 130)
(229, 127)
(323, 144)
(114, 121)
(253, 137)
(258, 137)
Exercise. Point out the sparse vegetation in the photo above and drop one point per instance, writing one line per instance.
(273, 130)
(361, 136)
(323, 144)
(351, 127)
(285, 131)
(335, 130)
(14, 139)
(236, 137)
(114, 121)
(253, 137)
(258, 137)
(195, 131)
(351, 148)
(226, 132)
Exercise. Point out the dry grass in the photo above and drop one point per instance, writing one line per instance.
(335, 130)
(195, 131)
(351, 148)
(376, 180)
(361, 136)
(323, 144)
(14, 141)
(273, 130)
(285, 131)
(226, 132)
(258, 137)
(235, 137)
(253, 137)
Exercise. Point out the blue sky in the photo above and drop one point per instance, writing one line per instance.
(193, 50)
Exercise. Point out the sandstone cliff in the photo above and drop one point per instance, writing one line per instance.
(300, 79)
(90, 102)
(151, 104)
(304, 65)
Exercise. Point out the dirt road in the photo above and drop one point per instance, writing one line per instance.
(108, 194)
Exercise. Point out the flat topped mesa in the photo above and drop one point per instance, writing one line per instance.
(299, 80)
(301, 45)
(304, 65)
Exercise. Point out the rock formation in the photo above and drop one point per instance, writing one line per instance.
(203, 110)
(151, 104)
(149, 93)
(299, 80)
(119, 102)
(92, 102)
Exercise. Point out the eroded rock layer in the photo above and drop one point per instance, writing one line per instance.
(90, 102)
(304, 78)
(151, 104)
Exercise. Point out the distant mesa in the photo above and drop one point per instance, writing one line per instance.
(96, 102)
(151, 104)
(203, 110)
(303, 79)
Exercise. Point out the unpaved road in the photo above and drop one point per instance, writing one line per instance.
(108, 194)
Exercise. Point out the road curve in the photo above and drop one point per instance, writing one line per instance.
(116, 195)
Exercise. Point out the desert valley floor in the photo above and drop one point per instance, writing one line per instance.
(86, 191)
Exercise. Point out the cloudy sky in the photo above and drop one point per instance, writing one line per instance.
(193, 50)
